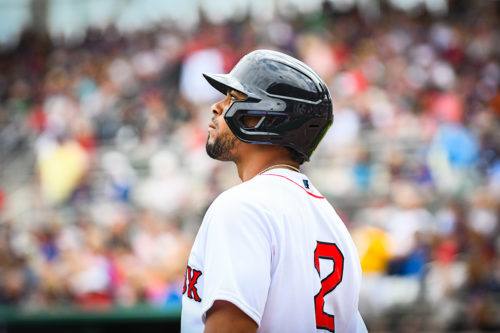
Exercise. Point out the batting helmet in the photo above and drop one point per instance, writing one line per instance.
(292, 101)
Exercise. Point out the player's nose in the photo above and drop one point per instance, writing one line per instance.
(216, 109)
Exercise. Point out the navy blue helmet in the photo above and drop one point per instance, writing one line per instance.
(292, 101)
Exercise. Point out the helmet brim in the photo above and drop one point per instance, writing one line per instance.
(224, 83)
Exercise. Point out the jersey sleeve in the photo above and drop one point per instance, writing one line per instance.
(237, 256)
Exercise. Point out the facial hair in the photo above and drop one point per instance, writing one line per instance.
(221, 148)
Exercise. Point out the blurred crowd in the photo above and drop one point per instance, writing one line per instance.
(104, 176)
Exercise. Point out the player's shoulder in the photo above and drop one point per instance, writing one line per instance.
(269, 191)
(241, 193)
(250, 193)
(244, 203)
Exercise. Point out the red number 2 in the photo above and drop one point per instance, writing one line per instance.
(328, 251)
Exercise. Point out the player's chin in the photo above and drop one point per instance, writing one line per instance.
(210, 147)
(211, 152)
(210, 139)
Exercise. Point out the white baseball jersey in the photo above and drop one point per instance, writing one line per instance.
(275, 248)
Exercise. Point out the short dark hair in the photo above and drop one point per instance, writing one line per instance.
(296, 156)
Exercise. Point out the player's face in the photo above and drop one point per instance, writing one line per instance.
(221, 142)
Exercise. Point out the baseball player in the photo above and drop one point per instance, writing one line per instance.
(271, 255)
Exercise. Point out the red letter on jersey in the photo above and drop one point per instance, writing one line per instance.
(191, 280)
(328, 251)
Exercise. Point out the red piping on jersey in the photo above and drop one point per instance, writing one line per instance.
(311, 194)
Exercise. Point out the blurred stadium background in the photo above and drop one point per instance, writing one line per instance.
(104, 178)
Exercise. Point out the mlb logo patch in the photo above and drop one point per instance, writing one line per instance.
(306, 183)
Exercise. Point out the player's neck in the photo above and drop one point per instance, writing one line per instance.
(262, 158)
